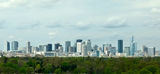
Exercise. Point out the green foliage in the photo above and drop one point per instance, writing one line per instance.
(80, 65)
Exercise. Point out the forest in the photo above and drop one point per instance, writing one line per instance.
(78, 65)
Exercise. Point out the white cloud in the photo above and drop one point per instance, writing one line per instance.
(155, 10)
(52, 34)
(11, 37)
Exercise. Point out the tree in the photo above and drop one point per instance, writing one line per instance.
(38, 68)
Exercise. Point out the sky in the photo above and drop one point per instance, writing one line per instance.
(101, 21)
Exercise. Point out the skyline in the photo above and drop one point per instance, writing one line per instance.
(106, 21)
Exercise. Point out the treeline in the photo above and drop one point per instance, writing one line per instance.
(80, 65)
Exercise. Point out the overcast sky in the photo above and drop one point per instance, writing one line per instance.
(102, 21)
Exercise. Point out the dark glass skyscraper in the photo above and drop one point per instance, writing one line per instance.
(14, 45)
(67, 45)
(120, 46)
(56, 46)
(49, 47)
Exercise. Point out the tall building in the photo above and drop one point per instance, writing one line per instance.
(133, 47)
(84, 49)
(49, 47)
(120, 46)
(7, 46)
(14, 45)
(127, 51)
(88, 44)
(79, 45)
(145, 50)
(67, 45)
(56, 46)
(151, 51)
(29, 48)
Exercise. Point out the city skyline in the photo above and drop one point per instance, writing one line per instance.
(103, 21)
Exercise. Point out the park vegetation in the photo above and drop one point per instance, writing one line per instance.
(78, 65)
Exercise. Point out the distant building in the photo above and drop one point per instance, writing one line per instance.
(67, 45)
(133, 47)
(120, 46)
(49, 47)
(145, 50)
(14, 45)
(127, 51)
(151, 51)
(79, 45)
(29, 47)
(56, 46)
(7, 46)
(84, 49)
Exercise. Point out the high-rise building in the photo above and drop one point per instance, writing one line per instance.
(14, 45)
(56, 46)
(79, 46)
(151, 51)
(84, 49)
(88, 44)
(120, 46)
(145, 50)
(67, 45)
(7, 46)
(29, 47)
(133, 47)
(127, 51)
(49, 47)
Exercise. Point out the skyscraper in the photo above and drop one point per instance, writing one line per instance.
(67, 45)
(79, 45)
(89, 46)
(120, 46)
(7, 46)
(133, 47)
(127, 51)
(14, 45)
(29, 48)
(49, 47)
(56, 46)
(84, 49)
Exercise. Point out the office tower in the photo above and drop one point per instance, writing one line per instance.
(67, 45)
(107, 48)
(113, 50)
(7, 46)
(84, 49)
(133, 47)
(29, 48)
(71, 49)
(56, 46)
(49, 47)
(151, 51)
(41, 48)
(95, 47)
(127, 51)
(75, 47)
(88, 44)
(14, 45)
(79, 45)
(60, 48)
(145, 50)
(120, 46)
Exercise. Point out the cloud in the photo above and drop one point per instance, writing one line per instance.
(29, 26)
(155, 10)
(27, 3)
(52, 34)
(54, 26)
(115, 22)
